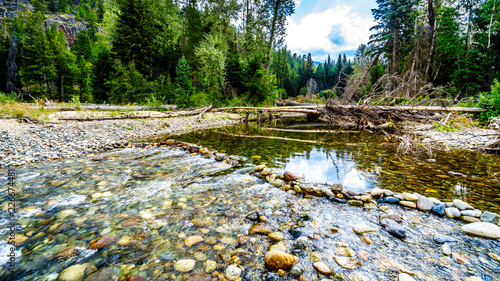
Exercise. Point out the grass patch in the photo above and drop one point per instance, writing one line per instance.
(10, 107)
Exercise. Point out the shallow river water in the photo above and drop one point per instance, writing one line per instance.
(150, 202)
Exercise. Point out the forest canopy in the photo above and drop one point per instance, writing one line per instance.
(229, 52)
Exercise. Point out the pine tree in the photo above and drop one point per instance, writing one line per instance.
(183, 88)
(101, 72)
(83, 46)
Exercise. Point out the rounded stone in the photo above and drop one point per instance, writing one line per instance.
(322, 268)
(482, 229)
(452, 213)
(405, 277)
(184, 265)
(233, 272)
(192, 240)
(409, 197)
(265, 172)
(409, 204)
(276, 236)
(362, 228)
(279, 260)
(462, 205)
(259, 168)
(73, 273)
(376, 192)
(210, 266)
(424, 204)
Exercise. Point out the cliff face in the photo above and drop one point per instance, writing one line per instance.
(66, 23)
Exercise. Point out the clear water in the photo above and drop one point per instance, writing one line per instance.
(176, 195)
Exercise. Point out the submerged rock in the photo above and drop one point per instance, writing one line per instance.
(279, 260)
(440, 238)
(233, 272)
(394, 217)
(347, 263)
(482, 229)
(73, 273)
(490, 217)
(259, 228)
(362, 228)
(322, 268)
(192, 240)
(184, 265)
(103, 242)
(393, 228)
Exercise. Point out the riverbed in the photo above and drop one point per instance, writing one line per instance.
(170, 213)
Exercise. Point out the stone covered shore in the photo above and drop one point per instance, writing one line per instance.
(25, 143)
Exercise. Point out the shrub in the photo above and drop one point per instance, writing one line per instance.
(491, 102)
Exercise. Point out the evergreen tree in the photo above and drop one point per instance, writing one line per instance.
(83, 46)
(101, 72)
(183, 90)
(38, 67)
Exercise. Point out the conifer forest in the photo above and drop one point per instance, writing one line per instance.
(232, 52)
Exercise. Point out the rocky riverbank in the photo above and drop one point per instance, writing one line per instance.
(22, 143)
(471, 138)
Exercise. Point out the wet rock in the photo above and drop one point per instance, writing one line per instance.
(259, 168)
(289, 176)
(104, 274)
(376, 192)
(440, 238)
(184, 265)
(279, 260)
(135, 278)
(73, 273)
(472, 213)
(131, 222)
(363, 255)
(424, 204)
(346, 262)
(394, 217)
(409, 197)
(445, 249)
(362, 228)
(254, 216)
(167, 256)
(389, 200)
(405, 277)
(322, 268)
(210, 266)
(271, 276)
(452, 213)
(366, 198)
(439, 209)
(393, 228)
(490, 217)
(329, 193)
(103, 242)
(231, 214)
(66, 213)
(276, 236)
(356, 203)
(296, 270)
(67, 253)
(259, 228)
(469, 219)
(192, 240)
(232, 272)
(460, 257)
(336, 187)
(482, 229)
(19, 239)
(408, 204)
(278, 183)
(494, 256)
(295, 233)
(462, 205)
(265, 172)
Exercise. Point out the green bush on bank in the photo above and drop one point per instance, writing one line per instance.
(491, 102)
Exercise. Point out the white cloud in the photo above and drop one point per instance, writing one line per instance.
(313, 32)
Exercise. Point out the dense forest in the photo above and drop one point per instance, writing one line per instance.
(225, 52)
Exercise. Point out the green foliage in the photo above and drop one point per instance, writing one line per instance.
(212, 65)
(446, 128)
(183, 90)
(127, 84)
(491, 102)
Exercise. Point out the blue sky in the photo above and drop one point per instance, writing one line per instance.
(334, 27)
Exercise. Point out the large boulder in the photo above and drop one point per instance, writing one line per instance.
(482, 229)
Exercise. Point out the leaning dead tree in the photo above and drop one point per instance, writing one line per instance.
(312, 87)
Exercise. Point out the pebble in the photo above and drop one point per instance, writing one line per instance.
(424, 204)
(233, 272)
(279, 260)
(445, 248)
(322, 268)
(440, 238)
(192, 240)
(452, 213)
(336, 187)
(259, 228)
(482, 229)
(490, 217)
(210, 266)
(73, 273)
(376, 192)
(409, 197)
(394, 217)
(439, 209)
(462, 205)
(472, 213)
(346, 262)
(102, 242)
(184, 265)
(408, 204)
(390, 200)
(393, 228)
(276, 236)
(362, 228)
